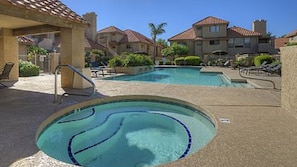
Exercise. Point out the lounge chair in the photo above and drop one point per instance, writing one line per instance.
(273, 70)
(5, 71)
(248, 70)
(227, 63)
(95, 68)
(107, 68)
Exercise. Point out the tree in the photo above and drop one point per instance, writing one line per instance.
(34, 51)
(162, 42)
(156, 30)
(179, 49)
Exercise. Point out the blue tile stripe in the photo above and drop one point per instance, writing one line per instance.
(104, 140)
(88, 116)
(71, 154)
(188, 133)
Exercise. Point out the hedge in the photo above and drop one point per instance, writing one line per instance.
(188, 60)
(130, 60)
(258, 60)
(193, 60)
(27, 69)
(179, 61)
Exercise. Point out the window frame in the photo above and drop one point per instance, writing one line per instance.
(214, 42)
(214, 28)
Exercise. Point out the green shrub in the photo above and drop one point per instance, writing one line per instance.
(258, 60)
(179, 61)
(193, 60)
(115, 62)
(168, 62)
(291, 43)
(130, 60)
(27, 69)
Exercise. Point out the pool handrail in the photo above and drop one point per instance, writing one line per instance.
(260, 79)
(77, 72)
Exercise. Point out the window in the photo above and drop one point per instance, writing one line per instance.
(214, 42)
(199, 43)
(128, 46)
(215, 28)
(238, 42)
(247, 42)
(199, 28)
(231, 43)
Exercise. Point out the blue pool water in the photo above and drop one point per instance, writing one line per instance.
(135, 133)
(190, 76)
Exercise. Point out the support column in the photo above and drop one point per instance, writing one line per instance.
(289, 79)
(72, 53)
(9, 49)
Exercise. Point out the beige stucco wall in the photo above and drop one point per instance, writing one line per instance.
(9, 47)
(207, 34)
(72, 52)
(23, 49)
(293, 39)
(207, 48)
(289, 79)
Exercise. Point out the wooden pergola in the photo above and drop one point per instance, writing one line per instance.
(28, 17)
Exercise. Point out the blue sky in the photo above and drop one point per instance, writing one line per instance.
(181, 14)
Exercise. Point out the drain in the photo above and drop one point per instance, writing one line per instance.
(225, 120)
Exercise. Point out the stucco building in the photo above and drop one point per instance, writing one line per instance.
(211, 33)
(118, 41)
(292, 36)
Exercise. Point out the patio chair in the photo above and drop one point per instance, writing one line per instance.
(247, 70)
(273, 70)
(109, 69)
(95, 68)
(5, 71)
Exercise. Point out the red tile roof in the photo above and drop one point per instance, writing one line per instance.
(210, 20)
(25, 40)
(49, 7)
(234, 32)
(292, 34)
(280, 42)
(111, 29)
(189, 34)
(133, 36)
(92, 45)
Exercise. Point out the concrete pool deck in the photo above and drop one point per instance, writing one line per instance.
(260, 132)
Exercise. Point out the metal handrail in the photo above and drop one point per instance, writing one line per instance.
(260, 79)
(77, 72)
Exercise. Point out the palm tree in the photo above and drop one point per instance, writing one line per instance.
(156, 30)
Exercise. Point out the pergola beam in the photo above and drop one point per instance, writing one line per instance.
(37, 16)
(36, 30)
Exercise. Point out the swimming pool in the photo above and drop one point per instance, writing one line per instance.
(184, 75)
(126, 131)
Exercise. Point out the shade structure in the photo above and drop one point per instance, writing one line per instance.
(219, 52)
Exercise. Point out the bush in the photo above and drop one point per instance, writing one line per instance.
(193, 60)
(130, 60)
(115, 62)
(167, 62)
(179, 61)
(291, 43)
(258, 60)
(27, 69)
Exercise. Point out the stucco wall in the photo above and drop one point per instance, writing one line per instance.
(289, 79)
(207, 34)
